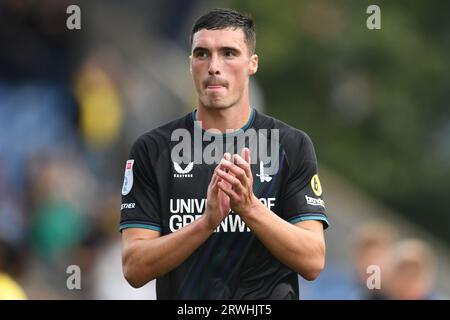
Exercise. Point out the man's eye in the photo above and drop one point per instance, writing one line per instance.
(229, 53)
(200, 54)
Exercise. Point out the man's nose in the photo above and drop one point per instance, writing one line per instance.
(214, 66)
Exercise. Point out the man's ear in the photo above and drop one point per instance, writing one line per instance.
(190, 63)
(253, 64)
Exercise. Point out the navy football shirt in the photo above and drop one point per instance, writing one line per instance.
(164, 194)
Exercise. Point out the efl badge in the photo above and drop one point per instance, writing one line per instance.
(128, 179)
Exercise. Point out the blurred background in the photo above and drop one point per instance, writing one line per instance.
(374, 102)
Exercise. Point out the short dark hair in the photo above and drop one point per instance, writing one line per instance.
(220, 18)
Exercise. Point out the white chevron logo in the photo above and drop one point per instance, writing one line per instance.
(183, 173)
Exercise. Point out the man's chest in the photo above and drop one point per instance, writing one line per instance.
(185, 187)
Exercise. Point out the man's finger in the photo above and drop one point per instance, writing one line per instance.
(244, 165)
(228, 191)
(246, 155)
(233, 181)
(235, 170)
(214, 180)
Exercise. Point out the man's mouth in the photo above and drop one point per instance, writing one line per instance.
(215, 84)
(214, 87)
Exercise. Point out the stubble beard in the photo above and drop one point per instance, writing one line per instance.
(218, 103)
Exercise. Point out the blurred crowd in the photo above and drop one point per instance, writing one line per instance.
(405, 267)
(58, 178)
(69, 110)
(379, 262)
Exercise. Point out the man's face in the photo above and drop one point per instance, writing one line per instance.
(221, 65)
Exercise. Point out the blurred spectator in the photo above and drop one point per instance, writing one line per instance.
(101, 109)
(62, 191)
(410, 271)
(9, 289)
(371, 243)
(10, 269)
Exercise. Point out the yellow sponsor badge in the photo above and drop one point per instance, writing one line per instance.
(315, 185)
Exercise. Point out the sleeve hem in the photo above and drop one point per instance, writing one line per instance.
(312, 216)
(139, 225)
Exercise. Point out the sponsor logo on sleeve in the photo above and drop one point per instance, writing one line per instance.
(314, 201)
(128, 206)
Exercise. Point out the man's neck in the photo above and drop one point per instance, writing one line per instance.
(229, 119)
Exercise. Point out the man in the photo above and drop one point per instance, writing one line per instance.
(370, 244)
(410, 271)
(231, 228)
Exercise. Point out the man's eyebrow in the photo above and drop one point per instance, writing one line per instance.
(234, 49)
(197, 49)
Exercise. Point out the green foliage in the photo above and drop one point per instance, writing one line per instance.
(375, 102)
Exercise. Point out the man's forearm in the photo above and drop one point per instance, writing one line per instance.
(147, 259)
(300, 249)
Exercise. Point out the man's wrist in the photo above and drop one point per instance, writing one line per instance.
(251, 211)
(204, 225)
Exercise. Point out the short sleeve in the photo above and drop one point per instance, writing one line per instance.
(140, 197)
(302, 198)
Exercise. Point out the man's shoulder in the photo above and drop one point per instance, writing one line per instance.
(154, 143)
(163, 133)
(295, 143)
